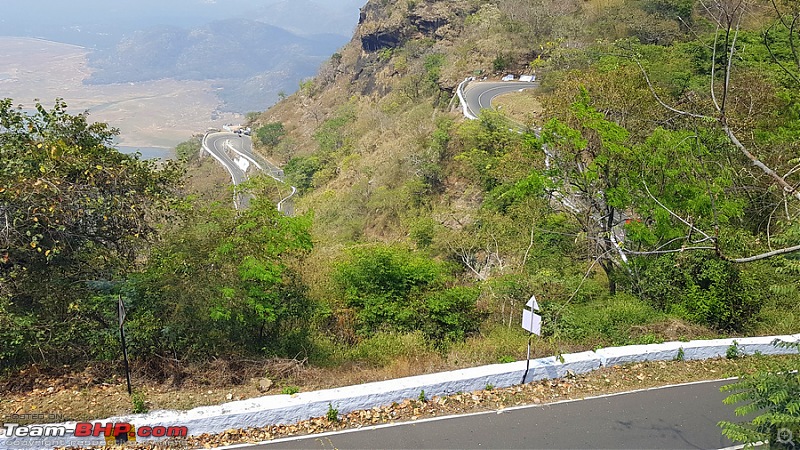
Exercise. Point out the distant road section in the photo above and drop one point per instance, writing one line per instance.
(479, 94)
(674, 417)
(235, 153)
(216, 144)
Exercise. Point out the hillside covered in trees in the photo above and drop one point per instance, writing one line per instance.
(651, 194)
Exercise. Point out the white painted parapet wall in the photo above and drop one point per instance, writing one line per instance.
(285, 409)
(463, 100)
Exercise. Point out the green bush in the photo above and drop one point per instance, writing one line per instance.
(422, 231)
(271, 134)
(607, 321)
(501, 63)
(451, 314)
(15, 334)
(394, 289)
(334, 134)
(701, 288)
(300, 171)
(384, 284)
(433, 66)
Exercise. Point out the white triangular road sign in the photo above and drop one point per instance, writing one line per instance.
(533, 304)
(532, 322)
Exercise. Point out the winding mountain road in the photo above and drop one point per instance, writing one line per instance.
(235, 153)
(479, 94)
(216, 144)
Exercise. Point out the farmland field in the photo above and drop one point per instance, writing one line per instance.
(155, 114)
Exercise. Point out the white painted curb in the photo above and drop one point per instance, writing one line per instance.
(461, 98)
(285, 409)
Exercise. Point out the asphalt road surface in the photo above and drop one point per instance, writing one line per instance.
(216, 143)
(479, 94)
(224, 145)
(668, 418)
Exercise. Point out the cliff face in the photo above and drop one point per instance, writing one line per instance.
(361, 135)
(391, 35)
(383, 27)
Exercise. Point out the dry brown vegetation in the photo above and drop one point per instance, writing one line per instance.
(208, 180)
(521, 107)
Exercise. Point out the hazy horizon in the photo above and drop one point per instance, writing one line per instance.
(159, 70)
(94, 23)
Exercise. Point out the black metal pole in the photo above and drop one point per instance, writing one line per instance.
(125, 357)
(528, 361)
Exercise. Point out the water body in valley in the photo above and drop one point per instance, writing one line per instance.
(149, 152)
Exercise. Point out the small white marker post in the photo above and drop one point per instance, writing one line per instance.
(533, 323)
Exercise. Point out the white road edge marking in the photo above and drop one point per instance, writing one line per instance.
(456, 416)
(230, 146)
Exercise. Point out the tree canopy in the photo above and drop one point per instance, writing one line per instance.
(72, 209)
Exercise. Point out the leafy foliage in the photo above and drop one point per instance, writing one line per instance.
(609, 321)
(189, 149)
(72, 209)
(392, 289)
(270, 134)
(451, 314)
(300, 171)
(774, 397)
(701, 288)
(224, 283)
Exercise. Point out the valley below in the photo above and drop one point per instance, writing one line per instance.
(150, 115)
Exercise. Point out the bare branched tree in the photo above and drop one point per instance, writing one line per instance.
(728, 16)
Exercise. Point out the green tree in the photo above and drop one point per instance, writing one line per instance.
(189, 149)
(591, 172)
(224, 283)
(271, 134)
(300, 171)
(774, 396)
(72, 209)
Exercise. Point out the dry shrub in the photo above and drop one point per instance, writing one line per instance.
(284, 368)
(159, 370)
(672, 330)
(61, 377)
(218, 372)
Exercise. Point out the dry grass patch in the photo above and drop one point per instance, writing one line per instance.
(522, 107)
